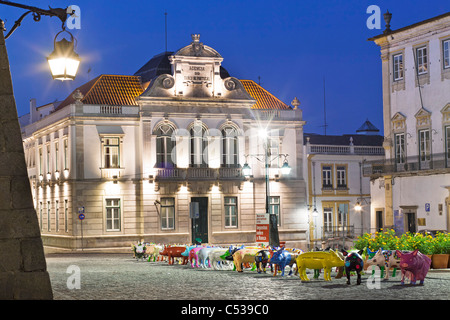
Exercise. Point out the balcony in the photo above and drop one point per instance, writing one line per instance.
(415, 164)
(192, 173)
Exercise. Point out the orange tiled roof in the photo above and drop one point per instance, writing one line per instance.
(264, 99)
(114, 90)
(122, 90)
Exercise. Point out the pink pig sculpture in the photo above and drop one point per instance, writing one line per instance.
(414, 265)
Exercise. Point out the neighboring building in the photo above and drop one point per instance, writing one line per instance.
(336, 186)
(133, 152)
(410, 191)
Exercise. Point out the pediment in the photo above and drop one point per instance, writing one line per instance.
(446, 109)
(446, 113)
(398, 117)
(422, 113)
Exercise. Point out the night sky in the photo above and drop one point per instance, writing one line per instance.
(291, 45)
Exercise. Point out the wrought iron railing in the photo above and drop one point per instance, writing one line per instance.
(438, 161)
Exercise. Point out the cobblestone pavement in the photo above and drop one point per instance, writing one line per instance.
(121, 277)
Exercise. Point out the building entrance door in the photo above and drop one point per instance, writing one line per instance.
(379, 219)
(410, 222)
(199, 229)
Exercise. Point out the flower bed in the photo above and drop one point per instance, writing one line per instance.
(388, 240)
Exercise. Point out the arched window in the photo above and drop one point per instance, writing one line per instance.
(230, 148)
(165, 143)
(199, 155)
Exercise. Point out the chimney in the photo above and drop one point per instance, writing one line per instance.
(33, 112)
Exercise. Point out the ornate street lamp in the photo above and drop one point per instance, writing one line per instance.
(63, 61)
(267, 158)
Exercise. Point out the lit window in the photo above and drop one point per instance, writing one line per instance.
(112, 214)
(167, 213)
(111, 152)
(230, 212)
(229, 147)
(165, 144)
(274, 207)
(198, 146)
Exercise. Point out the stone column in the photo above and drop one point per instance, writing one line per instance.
(23, 269)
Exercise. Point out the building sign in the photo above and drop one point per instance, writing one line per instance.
(197, 73)
(262, 228)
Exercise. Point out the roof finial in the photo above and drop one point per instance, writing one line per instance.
(195, 37)
(295, 103)
(387, 18)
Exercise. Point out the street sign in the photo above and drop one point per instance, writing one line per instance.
(80, 210)
(427, 207)
(262, 228)
(81, 216)
(194, 211)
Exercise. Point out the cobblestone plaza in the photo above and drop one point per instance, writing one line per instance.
(121, 277)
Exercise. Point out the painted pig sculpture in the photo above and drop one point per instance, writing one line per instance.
(262, 258)
(203, 257)
(318, 260)
(193, 256)
(244, 256)
(217, 259)
(353, 262)
(384, 259)
(414, 265)
(282, 258)
(172, 252)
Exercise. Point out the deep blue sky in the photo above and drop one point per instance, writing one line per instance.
(291, 45)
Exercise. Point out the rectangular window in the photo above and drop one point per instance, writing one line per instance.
(48, 158)
(400, 148)
(112, 214)
(167, 213)
(48, 216)
(57, 215)
(446, 53)
(398, 67)
(327, 219)
(424, 145)
(56, 156)
(40, 162)
(111, 153)
(342, 218)
(341, 177)
(274, 207)
(66, 154)
(230, 211)
(66, 216)
(422, 60)
(447, 145)
(326, 177)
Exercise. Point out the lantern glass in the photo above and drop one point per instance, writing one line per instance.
(63, 61)
(285, 169)
(246, 170)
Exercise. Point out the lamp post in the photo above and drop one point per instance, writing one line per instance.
(267, 158)
(26, 276)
